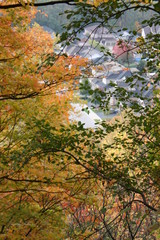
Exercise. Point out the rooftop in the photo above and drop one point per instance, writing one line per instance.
(89, 120)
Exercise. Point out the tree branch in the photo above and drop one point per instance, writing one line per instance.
(17, 5)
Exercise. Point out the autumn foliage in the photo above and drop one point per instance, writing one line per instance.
(32, 183)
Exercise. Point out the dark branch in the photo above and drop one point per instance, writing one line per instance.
(25, 180)
(9, 6)
(18, 96)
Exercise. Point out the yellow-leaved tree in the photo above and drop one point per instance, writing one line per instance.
(36, 86)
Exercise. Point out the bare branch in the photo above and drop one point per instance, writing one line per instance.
(9, 6)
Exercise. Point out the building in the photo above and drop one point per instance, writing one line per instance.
(155, 29)
(83, 51)
(89, 119)
(101, 35)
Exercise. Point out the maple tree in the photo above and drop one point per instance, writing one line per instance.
(28, 64)
(36, 86)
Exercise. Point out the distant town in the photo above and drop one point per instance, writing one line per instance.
(116, 58)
